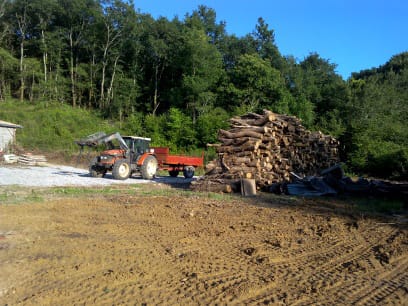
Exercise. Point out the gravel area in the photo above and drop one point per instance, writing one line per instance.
(58, 175)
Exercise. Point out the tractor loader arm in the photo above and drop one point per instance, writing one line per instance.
(99, 138)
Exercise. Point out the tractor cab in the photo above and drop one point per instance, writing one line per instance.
(137, 146)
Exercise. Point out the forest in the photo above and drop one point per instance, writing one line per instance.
(178, 81)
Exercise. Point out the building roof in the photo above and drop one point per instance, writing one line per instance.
(10, 125)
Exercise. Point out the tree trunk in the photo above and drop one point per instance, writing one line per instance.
(56, 79)
(21, 20)
(22, 82)
(91, 96)
(45, 56)
(109, 94)
(5, 27)
(72, 72)
(1, 87)
(156, 81)
(102, 97)
(111, 37)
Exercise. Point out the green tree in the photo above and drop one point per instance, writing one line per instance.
(20, 21)
(4, 23)
(155, 127)
(8, 68)
(257, 85)
(122, 106)
(179, 130)
(202, 69)
(73, 17)
(115, 28)
(205, 18)
(208, 124)
(264, 40)
(162, 42)
(318, 82)
(376, 141)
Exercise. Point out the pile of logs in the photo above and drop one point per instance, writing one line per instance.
(29, 159)
(266, 147)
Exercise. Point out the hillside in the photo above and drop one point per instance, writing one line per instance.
(51, 127)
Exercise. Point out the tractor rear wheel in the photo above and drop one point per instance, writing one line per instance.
(174, 173)
(95, 170)
(188, 171)
(149, 167)
(121, 170)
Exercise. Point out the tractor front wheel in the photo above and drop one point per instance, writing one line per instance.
(95, 170)
(121, 170)
(149, 167)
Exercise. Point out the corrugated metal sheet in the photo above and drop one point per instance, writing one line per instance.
(9, 125)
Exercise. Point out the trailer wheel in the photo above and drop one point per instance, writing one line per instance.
(174, 173)
(121, 170)
(149, 167)
(94, 170)
(188, 171)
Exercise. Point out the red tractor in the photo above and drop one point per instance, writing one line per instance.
(129, 154)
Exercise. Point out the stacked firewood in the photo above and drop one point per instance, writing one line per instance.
(29, 159)
(266, 147)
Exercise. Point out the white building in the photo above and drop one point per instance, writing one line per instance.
(7, 135)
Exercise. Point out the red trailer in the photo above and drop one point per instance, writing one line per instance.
(176, 163)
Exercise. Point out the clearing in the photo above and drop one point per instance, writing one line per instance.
(150, 244)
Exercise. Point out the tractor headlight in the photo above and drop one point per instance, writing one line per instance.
(151, 150)
(106, 159)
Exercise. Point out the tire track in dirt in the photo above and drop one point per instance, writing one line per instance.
(389, 284)
(232, 283)
(329, 271)
(365, 264)
(60, 265)
(352, 287)
(183, 251)
(330, 265)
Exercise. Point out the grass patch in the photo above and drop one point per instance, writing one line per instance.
(3, 197)
(11, 195)
(377, 206)
(78, 192)
(149, 191)
(84, 191)
(19, 196)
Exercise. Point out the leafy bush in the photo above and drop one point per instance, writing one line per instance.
(391, 164)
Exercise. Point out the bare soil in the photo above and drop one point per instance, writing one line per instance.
(159, 245)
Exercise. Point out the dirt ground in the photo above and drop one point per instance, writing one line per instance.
(179, 248)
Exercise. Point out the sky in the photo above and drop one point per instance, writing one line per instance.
(353, 34)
